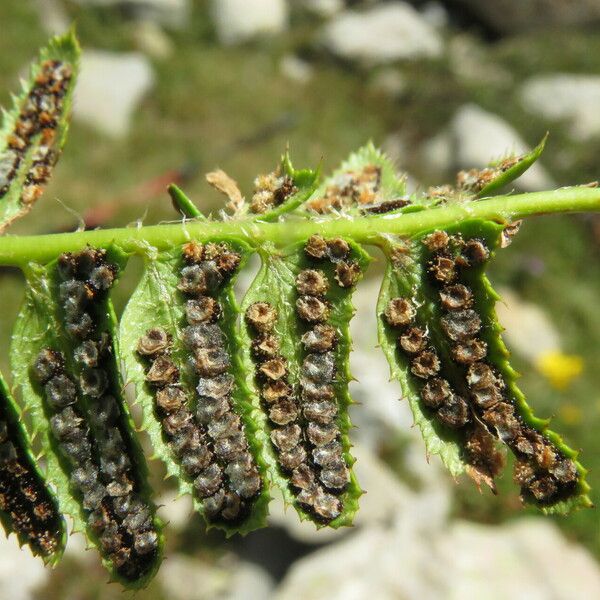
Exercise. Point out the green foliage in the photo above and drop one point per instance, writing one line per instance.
(41, 324)
(511, 168)
(156, 302)
(401, 283)
(285, 408)
(24, 489)
(275, 284)
(34, 131)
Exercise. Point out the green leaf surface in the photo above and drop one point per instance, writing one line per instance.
(403, 278)
(390, 185)
(407, 277)
(18, 195)
(156, 302)
(11, 417)
(183, 204)
(35, 329)
(275, 284)
(507, 174)
(498, 356)
(40, 325)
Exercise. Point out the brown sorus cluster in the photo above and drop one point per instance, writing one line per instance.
(543, 473)
(509, 232)
(436, 392)
(474, 180)
(346, 271)
(304, 428)
(353, 188)
(103, 469)
(23, 495)
(270, 191)
(39, 116)
(440, 194)
(324, 474)
(296, 425)
(211, 444)
(386, 206)
(276, 392)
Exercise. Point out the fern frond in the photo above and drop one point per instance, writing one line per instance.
(28, 506)
(65, 357)
(183, 297)
(239, 399)
(34, 131)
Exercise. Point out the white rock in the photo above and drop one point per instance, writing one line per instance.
(249, 582)
(384, 33)
(526, 560)
(560, 576)
(385, 490)
(332, 573)
(437, 152)
(186, 578)
(379, 398)
(109, 89)
(240, 20)
(20, 572)
(479, 136)
(528, 329)
(575, 98)
(53, 17)
(173, 13)
(296, 69)
(176, 510)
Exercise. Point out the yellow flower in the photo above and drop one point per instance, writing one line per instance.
(560, 369)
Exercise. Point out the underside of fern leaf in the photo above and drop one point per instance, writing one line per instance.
(296, 346)
(27, 505)
(440, 334)
(181, 350)
(34, 130)
(240, 399)
(65, 356)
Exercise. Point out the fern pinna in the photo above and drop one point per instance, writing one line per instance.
(241, 399)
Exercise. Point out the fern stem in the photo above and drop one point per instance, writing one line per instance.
(19, 250)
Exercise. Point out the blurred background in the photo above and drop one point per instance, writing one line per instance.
(171, 89)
